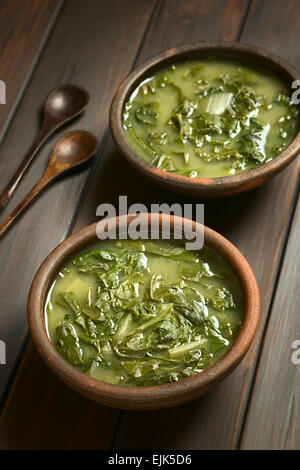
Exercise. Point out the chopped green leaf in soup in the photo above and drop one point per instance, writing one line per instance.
(210, 118)
(141, 313)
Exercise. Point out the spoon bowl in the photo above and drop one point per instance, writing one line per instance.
(66, 102)
(72, 150)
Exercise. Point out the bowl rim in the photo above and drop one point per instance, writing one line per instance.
(238, 182)
(159, 395)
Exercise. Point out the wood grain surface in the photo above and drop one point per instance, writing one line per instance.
(25, 27)
(53, 415)
(273, 414)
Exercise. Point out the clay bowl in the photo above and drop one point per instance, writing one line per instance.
(160, 396)
(205, 187)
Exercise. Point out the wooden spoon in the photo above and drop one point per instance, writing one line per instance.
(71, 150)
(61, 105)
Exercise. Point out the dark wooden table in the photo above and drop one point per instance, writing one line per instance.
(95, 43)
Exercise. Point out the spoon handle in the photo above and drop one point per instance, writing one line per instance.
(28, 199)
(44, 133)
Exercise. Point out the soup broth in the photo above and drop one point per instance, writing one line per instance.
(139, 313)
(210, 118)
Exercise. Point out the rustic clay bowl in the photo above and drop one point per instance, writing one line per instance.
(206, 187)
(160, 396)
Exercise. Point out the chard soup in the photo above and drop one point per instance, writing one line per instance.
(141, 313)
(210, 118)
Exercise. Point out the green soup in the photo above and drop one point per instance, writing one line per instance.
(210, 118)
(139, 313)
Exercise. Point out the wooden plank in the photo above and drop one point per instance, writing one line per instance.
(45, 414)
(25, 26)
(106, 186)
(215, 420)
(280, 35)
(274, 413)
(87, 48)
